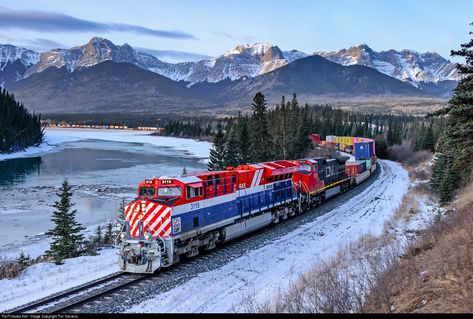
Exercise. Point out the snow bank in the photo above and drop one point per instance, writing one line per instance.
(54, 137)
(41, 280)
(262, 271)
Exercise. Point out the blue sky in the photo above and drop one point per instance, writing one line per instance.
(191, 29)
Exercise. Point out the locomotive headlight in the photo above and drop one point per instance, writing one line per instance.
(143, 206)
(147, 236)
(122, 235)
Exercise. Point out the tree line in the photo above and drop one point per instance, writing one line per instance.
(283, 132)
(18, 127)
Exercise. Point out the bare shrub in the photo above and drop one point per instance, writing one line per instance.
(10, 269)
(404, 153)
(13, 268)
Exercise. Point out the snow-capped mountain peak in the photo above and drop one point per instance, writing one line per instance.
(10, 54)
(405, 65)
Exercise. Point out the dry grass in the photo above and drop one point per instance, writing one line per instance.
(10, 269)
(436, 273)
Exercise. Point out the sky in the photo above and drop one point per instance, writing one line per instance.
(189, 30)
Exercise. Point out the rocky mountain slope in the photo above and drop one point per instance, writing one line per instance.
(405, 65)
(104, 87)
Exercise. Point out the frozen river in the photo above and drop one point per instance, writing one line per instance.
(103, 166)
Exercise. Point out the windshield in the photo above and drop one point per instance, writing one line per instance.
(169, 191)
(147, 191)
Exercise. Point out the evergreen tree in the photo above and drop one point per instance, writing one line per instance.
(24, 260)
(293, 138)
(381, 146)
(18, 127)
(98, 238)
(66, 235)
(282, 130)
(217, 153)
(428, 142)
(260, 137)
(448, 185)
(232, 152)
(438, 172)
(457, 141)
(243, 137)
(302, 142)
(184, 172)
(108, 237)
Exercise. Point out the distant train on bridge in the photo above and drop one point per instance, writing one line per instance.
(175, 217)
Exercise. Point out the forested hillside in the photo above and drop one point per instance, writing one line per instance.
(18, 127)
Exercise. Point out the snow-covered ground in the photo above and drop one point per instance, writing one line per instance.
(54, 137)
(275, 265)
(45, 279)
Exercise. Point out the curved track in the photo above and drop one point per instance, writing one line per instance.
(62, 301)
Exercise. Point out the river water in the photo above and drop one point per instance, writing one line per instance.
(101, 169)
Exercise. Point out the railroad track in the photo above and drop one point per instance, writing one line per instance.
(66, 300)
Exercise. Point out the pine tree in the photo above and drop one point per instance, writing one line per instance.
(108, 237)
(448, 185)
(302, 141)
(243, 138)
(184, 172)
(98, 238)
(428, 142)
(66, 235)
(232, 153)
(438, 172)
(24, 260)
(381, 146)
(260, 137)
(217, 153)
(281, 131)
(293, 126)
(457, 141)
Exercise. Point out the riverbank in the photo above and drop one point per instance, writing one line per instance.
(55, 137)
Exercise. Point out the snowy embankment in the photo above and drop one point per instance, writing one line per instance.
(44, 279)
(54, 137)
(261, 272)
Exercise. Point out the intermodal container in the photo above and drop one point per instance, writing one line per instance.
(353, 168)
(362, 151)
(363, 165)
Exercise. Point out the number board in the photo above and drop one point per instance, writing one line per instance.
(166, 181)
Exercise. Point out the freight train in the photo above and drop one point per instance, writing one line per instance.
(175, 217)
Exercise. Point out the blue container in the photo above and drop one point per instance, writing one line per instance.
(362, 150)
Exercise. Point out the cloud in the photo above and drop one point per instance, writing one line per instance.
(175, 56)
(56, 22)
(44, 44)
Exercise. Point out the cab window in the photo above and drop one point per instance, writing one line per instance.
(209, 180)
(147, 191)
(169, 191)
(192, 192)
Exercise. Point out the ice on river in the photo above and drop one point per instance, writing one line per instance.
(54, 137)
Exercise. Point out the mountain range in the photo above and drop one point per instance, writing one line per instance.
(103, 77)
